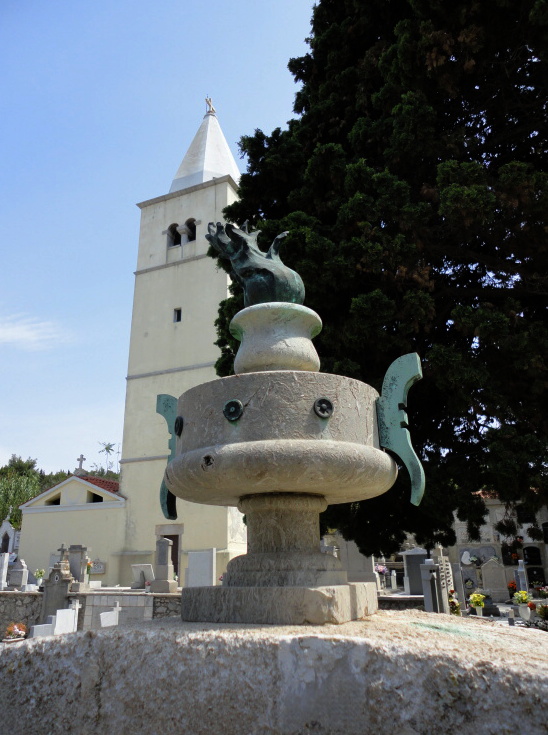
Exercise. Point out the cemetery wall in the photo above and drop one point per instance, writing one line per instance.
(167, 606)
(19, 607)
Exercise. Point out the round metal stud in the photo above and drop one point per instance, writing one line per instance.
(179, 423)
(233, 409)
(323, 408)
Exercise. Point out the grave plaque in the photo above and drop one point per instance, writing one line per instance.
(201, 570)
(98, 567)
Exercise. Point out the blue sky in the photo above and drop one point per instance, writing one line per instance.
(98, 103)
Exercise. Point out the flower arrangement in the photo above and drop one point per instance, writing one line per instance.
(15, 631)
(542, 612)
(522, 597)
(89, 567)
(542, 592)
(477, 600)
(39, 573)
(512, 587)
(381, 569)
(532, 606)
(454, 604)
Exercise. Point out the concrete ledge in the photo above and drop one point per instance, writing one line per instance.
(279, 605)
(409, 673)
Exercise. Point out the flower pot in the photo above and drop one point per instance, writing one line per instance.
(525, 612)
(479, 611)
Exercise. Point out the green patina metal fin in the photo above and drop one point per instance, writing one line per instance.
(166, 406)
(392, 418)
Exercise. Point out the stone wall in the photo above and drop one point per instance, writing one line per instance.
(167, 606)
(19, 607)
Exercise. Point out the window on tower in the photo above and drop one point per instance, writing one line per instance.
(173, 236)
(177, 315)
(190, 225)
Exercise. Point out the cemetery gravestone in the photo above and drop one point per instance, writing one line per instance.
(359, 568)
(142, 573)
(19, 574)
(56, 586)
(412, 561)
(520, 576)
(163, 573)
(4, 561)
(201, 570)
(458, 584)
(111, 617)
(47, 628)
(444, 579)
(429, 574)
(78, 561)
(494, 579)
(393, 580)
(66, 621)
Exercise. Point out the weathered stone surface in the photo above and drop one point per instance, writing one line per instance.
(279, 444)
(167, 606)
(276, 336)
(335, 604)
(410, 673)
(283, 533)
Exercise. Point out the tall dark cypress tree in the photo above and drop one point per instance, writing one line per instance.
(414, 183)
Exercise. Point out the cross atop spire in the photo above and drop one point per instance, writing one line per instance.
(208, 157)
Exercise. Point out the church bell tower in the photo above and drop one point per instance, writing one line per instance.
(177, 293)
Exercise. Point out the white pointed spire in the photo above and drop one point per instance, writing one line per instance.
(208, 156)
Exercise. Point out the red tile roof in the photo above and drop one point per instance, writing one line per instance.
(111, 485)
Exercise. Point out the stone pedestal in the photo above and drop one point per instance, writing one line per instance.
(284, 578)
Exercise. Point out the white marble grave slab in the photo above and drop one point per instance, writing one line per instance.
(65, 621)
(201, 570)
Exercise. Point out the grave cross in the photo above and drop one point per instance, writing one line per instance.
(81, 459)
(75, 605)
(62, 552)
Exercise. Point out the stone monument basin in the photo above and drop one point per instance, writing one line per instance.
(281, 431)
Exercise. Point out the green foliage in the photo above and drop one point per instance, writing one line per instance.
(414, 184)
(16, 488)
